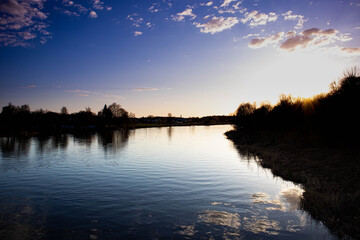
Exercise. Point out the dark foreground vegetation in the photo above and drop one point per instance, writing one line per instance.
(19, 120)
(314, 142)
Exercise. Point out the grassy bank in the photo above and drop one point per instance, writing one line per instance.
(330, 176)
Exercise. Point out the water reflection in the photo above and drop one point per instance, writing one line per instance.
(169, 132)
(17, 152)
(20, 220)
(292, 197)
(113, 141)
(174, 182)
(14, 146)
(259, 220)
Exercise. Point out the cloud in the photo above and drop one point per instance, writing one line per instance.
(21, 21)
(67, 12)
(135, 19)
(153, 9)
(296, 42)
(319, 32)
(186, 13)
(251, 35)
(226, 3)
(145, 89)
(98, 5)
(77, 91)
(263, 42)
(313, 37)
(93, 14)
(137, 33)
(350, 52)
(24, 21)
(217, 24)
(255, 18)
(27, 35)
(30, 86)
(12, 7)
(291, 33)
(300, 18)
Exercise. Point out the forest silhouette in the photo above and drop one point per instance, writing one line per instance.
(328, 118)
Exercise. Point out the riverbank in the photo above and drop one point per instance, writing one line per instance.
(330, 175)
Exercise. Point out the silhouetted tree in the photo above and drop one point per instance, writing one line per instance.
(64, 111)
(245, 109)
(118, 111)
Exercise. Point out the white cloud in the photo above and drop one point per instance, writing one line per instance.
(137, 33)
(145, 89)
(135, 19)
(300, 18)
(77, 91)
(98, 5)
(186, 13)
(226, 3)
(255, 18)
(153, 9)
(217, 24)
(251, 35)
(291, 33)
(93, 14)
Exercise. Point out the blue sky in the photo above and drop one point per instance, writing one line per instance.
(190, 58)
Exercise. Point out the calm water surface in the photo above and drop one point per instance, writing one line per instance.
(178, 183)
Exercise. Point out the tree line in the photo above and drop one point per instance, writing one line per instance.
(331, 117)
(17, 119)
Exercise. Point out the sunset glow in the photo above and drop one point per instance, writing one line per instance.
(190, 58)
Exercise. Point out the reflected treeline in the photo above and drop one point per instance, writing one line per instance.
(113, 141)
(331, 192)
(15, 146)
(19, 147)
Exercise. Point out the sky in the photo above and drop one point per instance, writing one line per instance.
(188, 58)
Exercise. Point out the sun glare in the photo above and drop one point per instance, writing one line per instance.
(301, 74)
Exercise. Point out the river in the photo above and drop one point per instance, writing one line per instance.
(151, 183)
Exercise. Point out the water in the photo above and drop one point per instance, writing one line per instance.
(178, 183)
